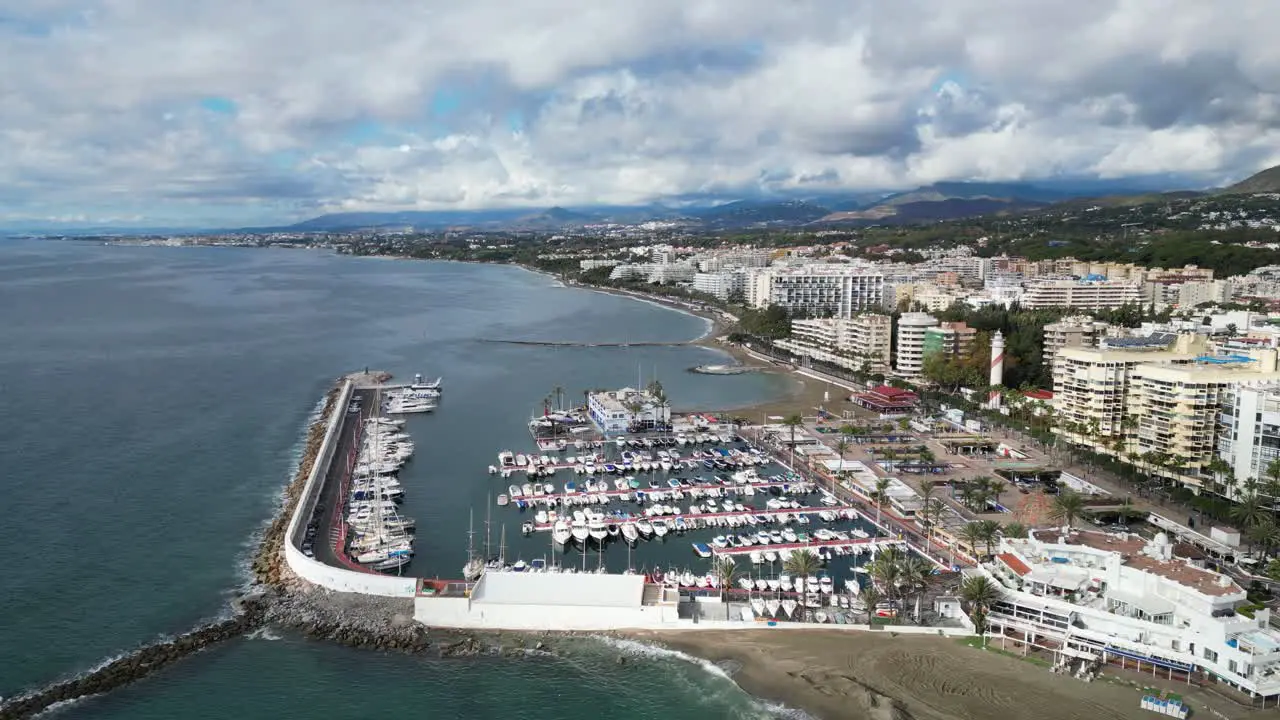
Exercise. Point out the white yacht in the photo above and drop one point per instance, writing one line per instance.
(561, 532)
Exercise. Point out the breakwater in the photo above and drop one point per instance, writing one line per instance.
(249, 612)
(567, 343)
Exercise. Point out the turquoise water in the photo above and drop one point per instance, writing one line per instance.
(155, 399)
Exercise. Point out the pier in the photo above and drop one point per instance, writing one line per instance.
(708, 519)
(871, 542)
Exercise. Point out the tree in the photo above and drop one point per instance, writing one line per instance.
(871, 597)
(886, 571)
(1068, 507)
(803, 564)
(997, 487)
(979, 594)
(916, 572)
(793, 421)
(971, 533)
(726, 573)
(990, 530)
(1251, 511)
(842, 446)
(1265, 535)
(1014, 530)
(880, 494)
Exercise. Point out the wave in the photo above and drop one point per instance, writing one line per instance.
(658, 653)
(249, 548)
(264, 633)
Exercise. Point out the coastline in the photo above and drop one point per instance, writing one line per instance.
(882, 675)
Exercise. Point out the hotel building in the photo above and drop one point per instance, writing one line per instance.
(857, 343)
(1118, 598)
(1249, 431)
(839, 291)
(911, 335)
(1090, 295)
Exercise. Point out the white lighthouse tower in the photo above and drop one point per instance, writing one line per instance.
(997, 369)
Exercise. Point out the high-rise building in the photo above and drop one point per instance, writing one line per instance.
(1249, 433)
(949, 338)
(720, 284)
(1090, 294)
(858, 343)
(840, 291)
(912, 328)
(1081, 331)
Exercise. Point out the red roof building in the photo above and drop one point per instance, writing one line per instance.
(1044, 395)
(887, 400)
(1012, 562)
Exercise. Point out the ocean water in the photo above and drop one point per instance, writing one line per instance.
(154, 402)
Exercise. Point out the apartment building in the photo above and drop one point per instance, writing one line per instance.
(1249, 432)
(720, 284)
(912, 328)
(858, 343)
(732, 260)
(1157, 409)
(1108, 596)
(814, 290)
(1086, 294)
(1091, 387)
(949, 338)
(1080, 331)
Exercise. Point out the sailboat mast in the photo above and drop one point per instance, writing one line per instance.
(471, 534)
(502, 548)
(488, 509)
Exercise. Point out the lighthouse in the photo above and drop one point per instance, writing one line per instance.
(997, 369)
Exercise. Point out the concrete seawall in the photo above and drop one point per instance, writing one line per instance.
(313, 571)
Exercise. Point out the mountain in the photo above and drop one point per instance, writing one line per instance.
(755, 213)
(555, 218)
(1267, 181)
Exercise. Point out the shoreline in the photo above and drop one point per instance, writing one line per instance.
(883, 675)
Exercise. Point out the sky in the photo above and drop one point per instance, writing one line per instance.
(205, 112)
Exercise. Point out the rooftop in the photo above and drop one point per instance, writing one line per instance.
(572, 589)
(1131, 547)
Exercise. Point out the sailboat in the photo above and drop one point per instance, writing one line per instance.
(475, 565)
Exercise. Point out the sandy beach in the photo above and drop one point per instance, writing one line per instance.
(879, 676)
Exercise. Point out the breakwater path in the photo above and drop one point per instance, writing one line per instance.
(566, 343)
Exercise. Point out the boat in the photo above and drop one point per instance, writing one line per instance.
(578, 529)
(502, 500)
(629, 533)
(770, 556)
(756, 557)
(701, 550)
(560, 532)
(596, 529)
(644, 527)
(659, 527)
(758, 606)
(613, 530)
(773, 605)
(789, 606)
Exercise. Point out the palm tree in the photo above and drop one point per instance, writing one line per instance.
(871, 596)
(558, 392)
(1250, 511)
(886, 571)
(880, 494)
(971, 533)
(997, 487)
(803, 564)
(1068, 507)
(1014, 530)
(1265, 535)
(989, 529)
(793, 422)
(726, 572)
(933, 512)
(915, 578)
(979, 594)
(842, 445)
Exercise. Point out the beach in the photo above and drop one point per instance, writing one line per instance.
(835, 675)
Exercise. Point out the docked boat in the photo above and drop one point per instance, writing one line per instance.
(561, 533)
(596, 529)
(629, 533)
(659, 527)
(644, 528)
(578, 529)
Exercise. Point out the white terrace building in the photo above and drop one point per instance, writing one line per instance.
(627, 409)
(1118, 597)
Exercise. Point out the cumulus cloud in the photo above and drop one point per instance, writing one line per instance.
(191, 109)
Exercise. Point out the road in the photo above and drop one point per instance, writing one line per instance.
(327, 536)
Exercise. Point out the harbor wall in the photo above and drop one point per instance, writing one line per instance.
(310, 569)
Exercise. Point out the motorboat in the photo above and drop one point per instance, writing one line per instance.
(596, 529)
(659, 527)
(629, 533)
(578, 528)
(644, 528)
(561, 533)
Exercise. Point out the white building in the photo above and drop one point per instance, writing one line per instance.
(627, 409)
(732, 260)
(1115, 596)
(857, 343)
(1091, 294)
(721, 284)
(1249, 431)
(911, 332)
(593, 264)
(818, 290)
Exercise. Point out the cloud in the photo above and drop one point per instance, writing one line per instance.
(200, 111)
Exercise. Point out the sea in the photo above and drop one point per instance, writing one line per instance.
(155, 400)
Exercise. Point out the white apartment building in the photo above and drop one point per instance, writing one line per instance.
(626, 409)
(732, 260)
(720, 284)
(912, 328)
(857, 343)
(1111, 597)
(815, 290)
(1249, 432)
(1191, 294)
(1090, 295)
(593, 264)
(1079, 331)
